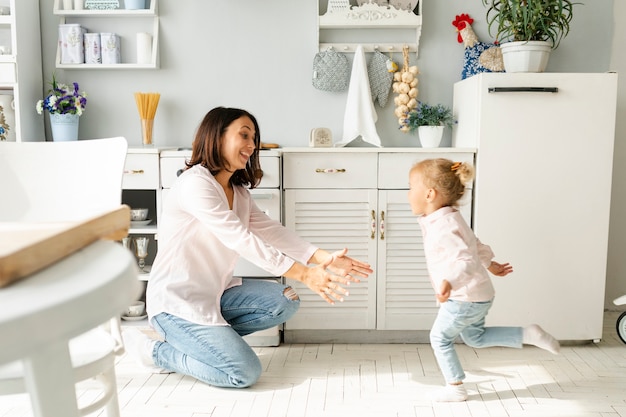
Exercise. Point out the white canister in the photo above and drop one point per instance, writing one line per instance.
(144, 48)
(111, 48)
(71, 43)
(7, 117)
(93, 53)
(79, 4)
(135, 4)
(67, 4)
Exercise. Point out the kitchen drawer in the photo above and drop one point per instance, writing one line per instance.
(7, 72)
(329, 170)
(271, 172)
(141, 172)
(170, 166)
(393, 168)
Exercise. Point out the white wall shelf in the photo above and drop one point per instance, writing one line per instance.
(123, 17)
(370, 21)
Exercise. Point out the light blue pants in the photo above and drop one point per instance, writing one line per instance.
(218, 355)
(466, 319)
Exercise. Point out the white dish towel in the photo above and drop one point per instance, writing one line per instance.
(360, 116)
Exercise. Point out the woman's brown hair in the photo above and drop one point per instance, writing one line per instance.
(208, 141)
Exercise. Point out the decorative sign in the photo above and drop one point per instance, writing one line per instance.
(102, 4)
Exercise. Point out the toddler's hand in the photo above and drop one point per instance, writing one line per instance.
(444, 291)
(500, 270)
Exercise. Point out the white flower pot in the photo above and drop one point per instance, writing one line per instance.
(64, 127)
(530, 56)
(430, 136)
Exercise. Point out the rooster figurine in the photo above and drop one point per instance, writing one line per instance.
(479, 56)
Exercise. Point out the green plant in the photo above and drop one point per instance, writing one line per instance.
(427, 115)
(529, 20)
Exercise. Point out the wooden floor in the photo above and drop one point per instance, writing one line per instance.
(386, 380)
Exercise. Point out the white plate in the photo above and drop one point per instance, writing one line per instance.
(134, 318)
(136, 223)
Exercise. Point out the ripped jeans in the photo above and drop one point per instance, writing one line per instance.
(218, 355)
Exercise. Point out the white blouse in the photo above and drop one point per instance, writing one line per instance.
(201, 239)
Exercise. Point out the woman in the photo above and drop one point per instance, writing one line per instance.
(208, 221)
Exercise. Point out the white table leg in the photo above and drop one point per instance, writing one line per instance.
(49, 381)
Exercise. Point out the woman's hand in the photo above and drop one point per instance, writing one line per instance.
(349, 268)
(327, 285)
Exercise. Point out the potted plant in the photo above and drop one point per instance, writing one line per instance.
(65, 104)
(528, 30)
(429, 121)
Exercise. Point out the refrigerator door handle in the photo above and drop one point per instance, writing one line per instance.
(523, 90)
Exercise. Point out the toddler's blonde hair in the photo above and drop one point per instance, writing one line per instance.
(447, 177)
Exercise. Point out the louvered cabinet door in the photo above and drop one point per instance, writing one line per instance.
(406, 300)
(333, 219)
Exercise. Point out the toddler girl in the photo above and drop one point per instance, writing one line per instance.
(457, 264)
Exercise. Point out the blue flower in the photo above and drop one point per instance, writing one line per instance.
(63, 99)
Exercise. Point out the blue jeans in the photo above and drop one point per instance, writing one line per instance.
(466, 319)
(218, 355)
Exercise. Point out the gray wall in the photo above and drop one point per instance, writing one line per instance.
(258, 54)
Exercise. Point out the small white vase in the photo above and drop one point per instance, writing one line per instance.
(64, 127)
(430, 136)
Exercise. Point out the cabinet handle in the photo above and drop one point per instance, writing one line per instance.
(133, 171)
(523, 90)
(382, 225)
(329, 170)
(373, 226)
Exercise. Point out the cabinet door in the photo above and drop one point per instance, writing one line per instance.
(332, 220)
(406, 300)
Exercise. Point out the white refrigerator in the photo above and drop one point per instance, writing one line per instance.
(544, 162)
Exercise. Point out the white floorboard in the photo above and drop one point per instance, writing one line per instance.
(384, 380)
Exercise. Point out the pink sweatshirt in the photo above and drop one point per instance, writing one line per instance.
(454, 253)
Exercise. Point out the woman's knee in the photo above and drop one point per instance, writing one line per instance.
(247, 375)
(290, 305)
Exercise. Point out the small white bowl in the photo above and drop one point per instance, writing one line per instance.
(138, 214)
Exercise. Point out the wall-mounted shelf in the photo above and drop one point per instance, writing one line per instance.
(374, 26)
(123, 18)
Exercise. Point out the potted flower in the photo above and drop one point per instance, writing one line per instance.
(528, 30)
(65, 104)
(429, 121)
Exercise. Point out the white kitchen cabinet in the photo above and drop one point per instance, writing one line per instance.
(542, 193)
(126, 23)
(141, 189)
(357, 198)
(20, 69)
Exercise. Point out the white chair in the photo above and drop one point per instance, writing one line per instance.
(67, 181)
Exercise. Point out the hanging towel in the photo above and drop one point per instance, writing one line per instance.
(360, 116)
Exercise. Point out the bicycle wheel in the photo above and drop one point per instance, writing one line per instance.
(620, 326)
